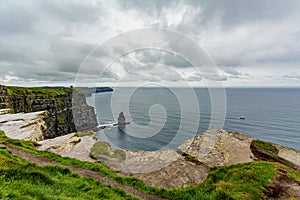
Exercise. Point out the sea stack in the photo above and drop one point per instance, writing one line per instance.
(121, 120)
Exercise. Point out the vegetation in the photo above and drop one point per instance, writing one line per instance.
(20, 179)
(38, 91)
(267, 146)
(241, 181)
(103, 148)
(271, 149)
(82, 134)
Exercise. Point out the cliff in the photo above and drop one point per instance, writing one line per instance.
(59, 104)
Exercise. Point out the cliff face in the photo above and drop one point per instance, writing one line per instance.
(58, 103)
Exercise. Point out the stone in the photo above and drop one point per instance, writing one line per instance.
(217, 147)
(289, 154)
(177, 174)
(164, 168)
(24, 126)
(70, 145)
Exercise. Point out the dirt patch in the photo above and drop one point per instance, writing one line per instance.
(263, 155)
(283, 187)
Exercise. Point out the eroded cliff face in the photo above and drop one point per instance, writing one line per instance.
(59, 104)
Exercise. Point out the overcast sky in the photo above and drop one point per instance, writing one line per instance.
(253, 43)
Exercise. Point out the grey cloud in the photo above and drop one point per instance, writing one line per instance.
(67, 54)
(48, 40)
(163, 57)
(15, 19)
(297, 77)
(71, 11)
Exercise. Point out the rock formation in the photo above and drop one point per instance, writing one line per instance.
(164, 168)
(70, 145)
(217, 147)
(59, 104)
(24, 126)
(190, 164)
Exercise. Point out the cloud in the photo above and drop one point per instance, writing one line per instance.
(297, 77)
(46, 41)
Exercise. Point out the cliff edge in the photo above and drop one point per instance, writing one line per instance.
(57, 101)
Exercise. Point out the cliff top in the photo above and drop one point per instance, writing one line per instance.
(36, 91)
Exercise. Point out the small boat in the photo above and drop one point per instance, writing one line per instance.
(242, 117)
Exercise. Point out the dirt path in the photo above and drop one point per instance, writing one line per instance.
(82, 172)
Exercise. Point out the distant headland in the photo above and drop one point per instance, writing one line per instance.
(88, 91)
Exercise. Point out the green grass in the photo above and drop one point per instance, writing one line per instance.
(20, 179)
(241, 181)
(103, 148)
(37, 91)
(82, 134)
(271, 149)
(267, 146)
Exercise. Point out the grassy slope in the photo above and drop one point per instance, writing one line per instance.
(20, 179)
(242, 181)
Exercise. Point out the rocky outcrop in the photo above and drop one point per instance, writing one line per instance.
(186, 167)
(24, 126)
(70, 145)
(217, 147)
(164, 168)
(148, 161)
(59, 104)
(178, 174)
(288, 154)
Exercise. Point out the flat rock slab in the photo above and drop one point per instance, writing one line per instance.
(178, 174)
(24, 126)
(217, 147)
(288, 154)
(148, 161)
(70, 145)
(4, 111)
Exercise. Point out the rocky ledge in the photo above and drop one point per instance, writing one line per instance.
(217, 147)
(24, 126)
(75, 145)
(187, 166)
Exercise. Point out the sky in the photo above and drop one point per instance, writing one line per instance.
(252, 43)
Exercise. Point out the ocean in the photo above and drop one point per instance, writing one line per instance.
(163, 118)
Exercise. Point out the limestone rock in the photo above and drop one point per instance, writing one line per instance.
(164, 168)
(217, 147)
(178, 174)
(60, 144)
(289, 154)
(24, 126)
(4, 111)
(148, 161)
(70, 145)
